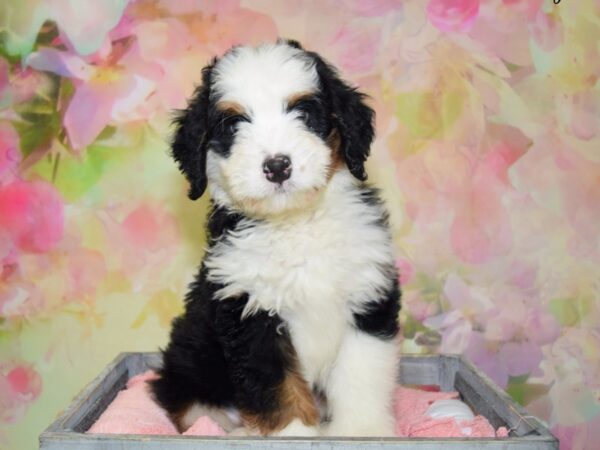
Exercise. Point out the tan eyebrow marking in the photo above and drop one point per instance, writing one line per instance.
(231, 108)
(294, 99)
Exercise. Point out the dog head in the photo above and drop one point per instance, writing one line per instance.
(268, 127)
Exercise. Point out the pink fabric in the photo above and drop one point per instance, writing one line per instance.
(134, 412)
(205, 426)
(410, 407)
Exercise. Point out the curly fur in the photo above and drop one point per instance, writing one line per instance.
(297, 293)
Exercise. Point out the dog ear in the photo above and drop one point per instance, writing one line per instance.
(352, 117)
(190, 144)
(291, 42)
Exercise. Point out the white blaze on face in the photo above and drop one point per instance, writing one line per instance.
(262, 80)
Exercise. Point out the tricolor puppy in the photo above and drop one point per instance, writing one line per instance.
(290, 323)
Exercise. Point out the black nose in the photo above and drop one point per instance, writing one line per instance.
(278, 169)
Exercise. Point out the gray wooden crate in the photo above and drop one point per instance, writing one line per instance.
(450, 372)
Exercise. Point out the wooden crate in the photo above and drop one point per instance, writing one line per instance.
(450, 372)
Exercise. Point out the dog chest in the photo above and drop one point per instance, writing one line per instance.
(313, 272)
(335, 255)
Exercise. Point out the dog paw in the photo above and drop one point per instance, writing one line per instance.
(243, 431)
(297, 428)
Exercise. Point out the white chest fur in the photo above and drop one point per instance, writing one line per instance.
(314, 269)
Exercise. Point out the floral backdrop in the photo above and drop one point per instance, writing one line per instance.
(488, 154)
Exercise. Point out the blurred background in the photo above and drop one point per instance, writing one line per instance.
(488, 154)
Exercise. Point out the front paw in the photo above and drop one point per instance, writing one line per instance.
(243, 431)
(297, 428)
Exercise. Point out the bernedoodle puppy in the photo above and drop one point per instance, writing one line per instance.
(290, 323)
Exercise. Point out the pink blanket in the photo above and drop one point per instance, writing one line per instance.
(134, 412)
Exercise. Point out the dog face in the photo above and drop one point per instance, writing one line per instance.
(268, 127)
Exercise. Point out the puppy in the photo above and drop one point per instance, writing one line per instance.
(297, 297)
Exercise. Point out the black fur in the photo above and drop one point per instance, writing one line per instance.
(257, 350)
(370, 196)
(380, 317)
(191, 138)
(221, 221)
(315, 114)
(291, 43)
(217, 358)
(351, 116)
(221, 130)
(214, 356)
(338, 105)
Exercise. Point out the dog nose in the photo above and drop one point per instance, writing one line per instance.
(278, 169)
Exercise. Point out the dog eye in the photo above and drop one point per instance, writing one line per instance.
(302, 114)
(302, 108)
(230, 122)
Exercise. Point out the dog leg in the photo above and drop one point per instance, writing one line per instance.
(296, 413)
(361, 385)
(270, 391)
(297, 428)
(228, 419)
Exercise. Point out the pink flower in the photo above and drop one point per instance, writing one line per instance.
(520, 358)
(357, 47)
(481, 229)
(20, 385)
(31, 215)
(406, 270)
(86, 270)
(85, 25)
(102, 91)
(149, 228)
(501, 361)
(10, 156)
(220, 7)
(484, 355)
(583, 435)
(18, 86)
(415, 305)
(19, 299)
(547, 31)
(373, 8)
(540, 327)
(526, 7)
(453, 15)
(455, 328)
(145, 239)
(584, 112)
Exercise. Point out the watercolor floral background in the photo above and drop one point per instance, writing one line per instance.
(488, 153)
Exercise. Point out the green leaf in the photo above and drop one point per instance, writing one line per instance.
(37, 131)
(429, 114)
(569, 311)
(75, 175)
(411, 327)
(525, 393)
(12, 59)
(40, 120)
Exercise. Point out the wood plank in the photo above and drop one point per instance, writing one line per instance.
(420, 369)
(489, 400)
(93, 396)
(449, 371)
(132, 442)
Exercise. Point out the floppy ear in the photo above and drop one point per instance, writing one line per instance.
(190, 144)
(352, 117)
(291, 42)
